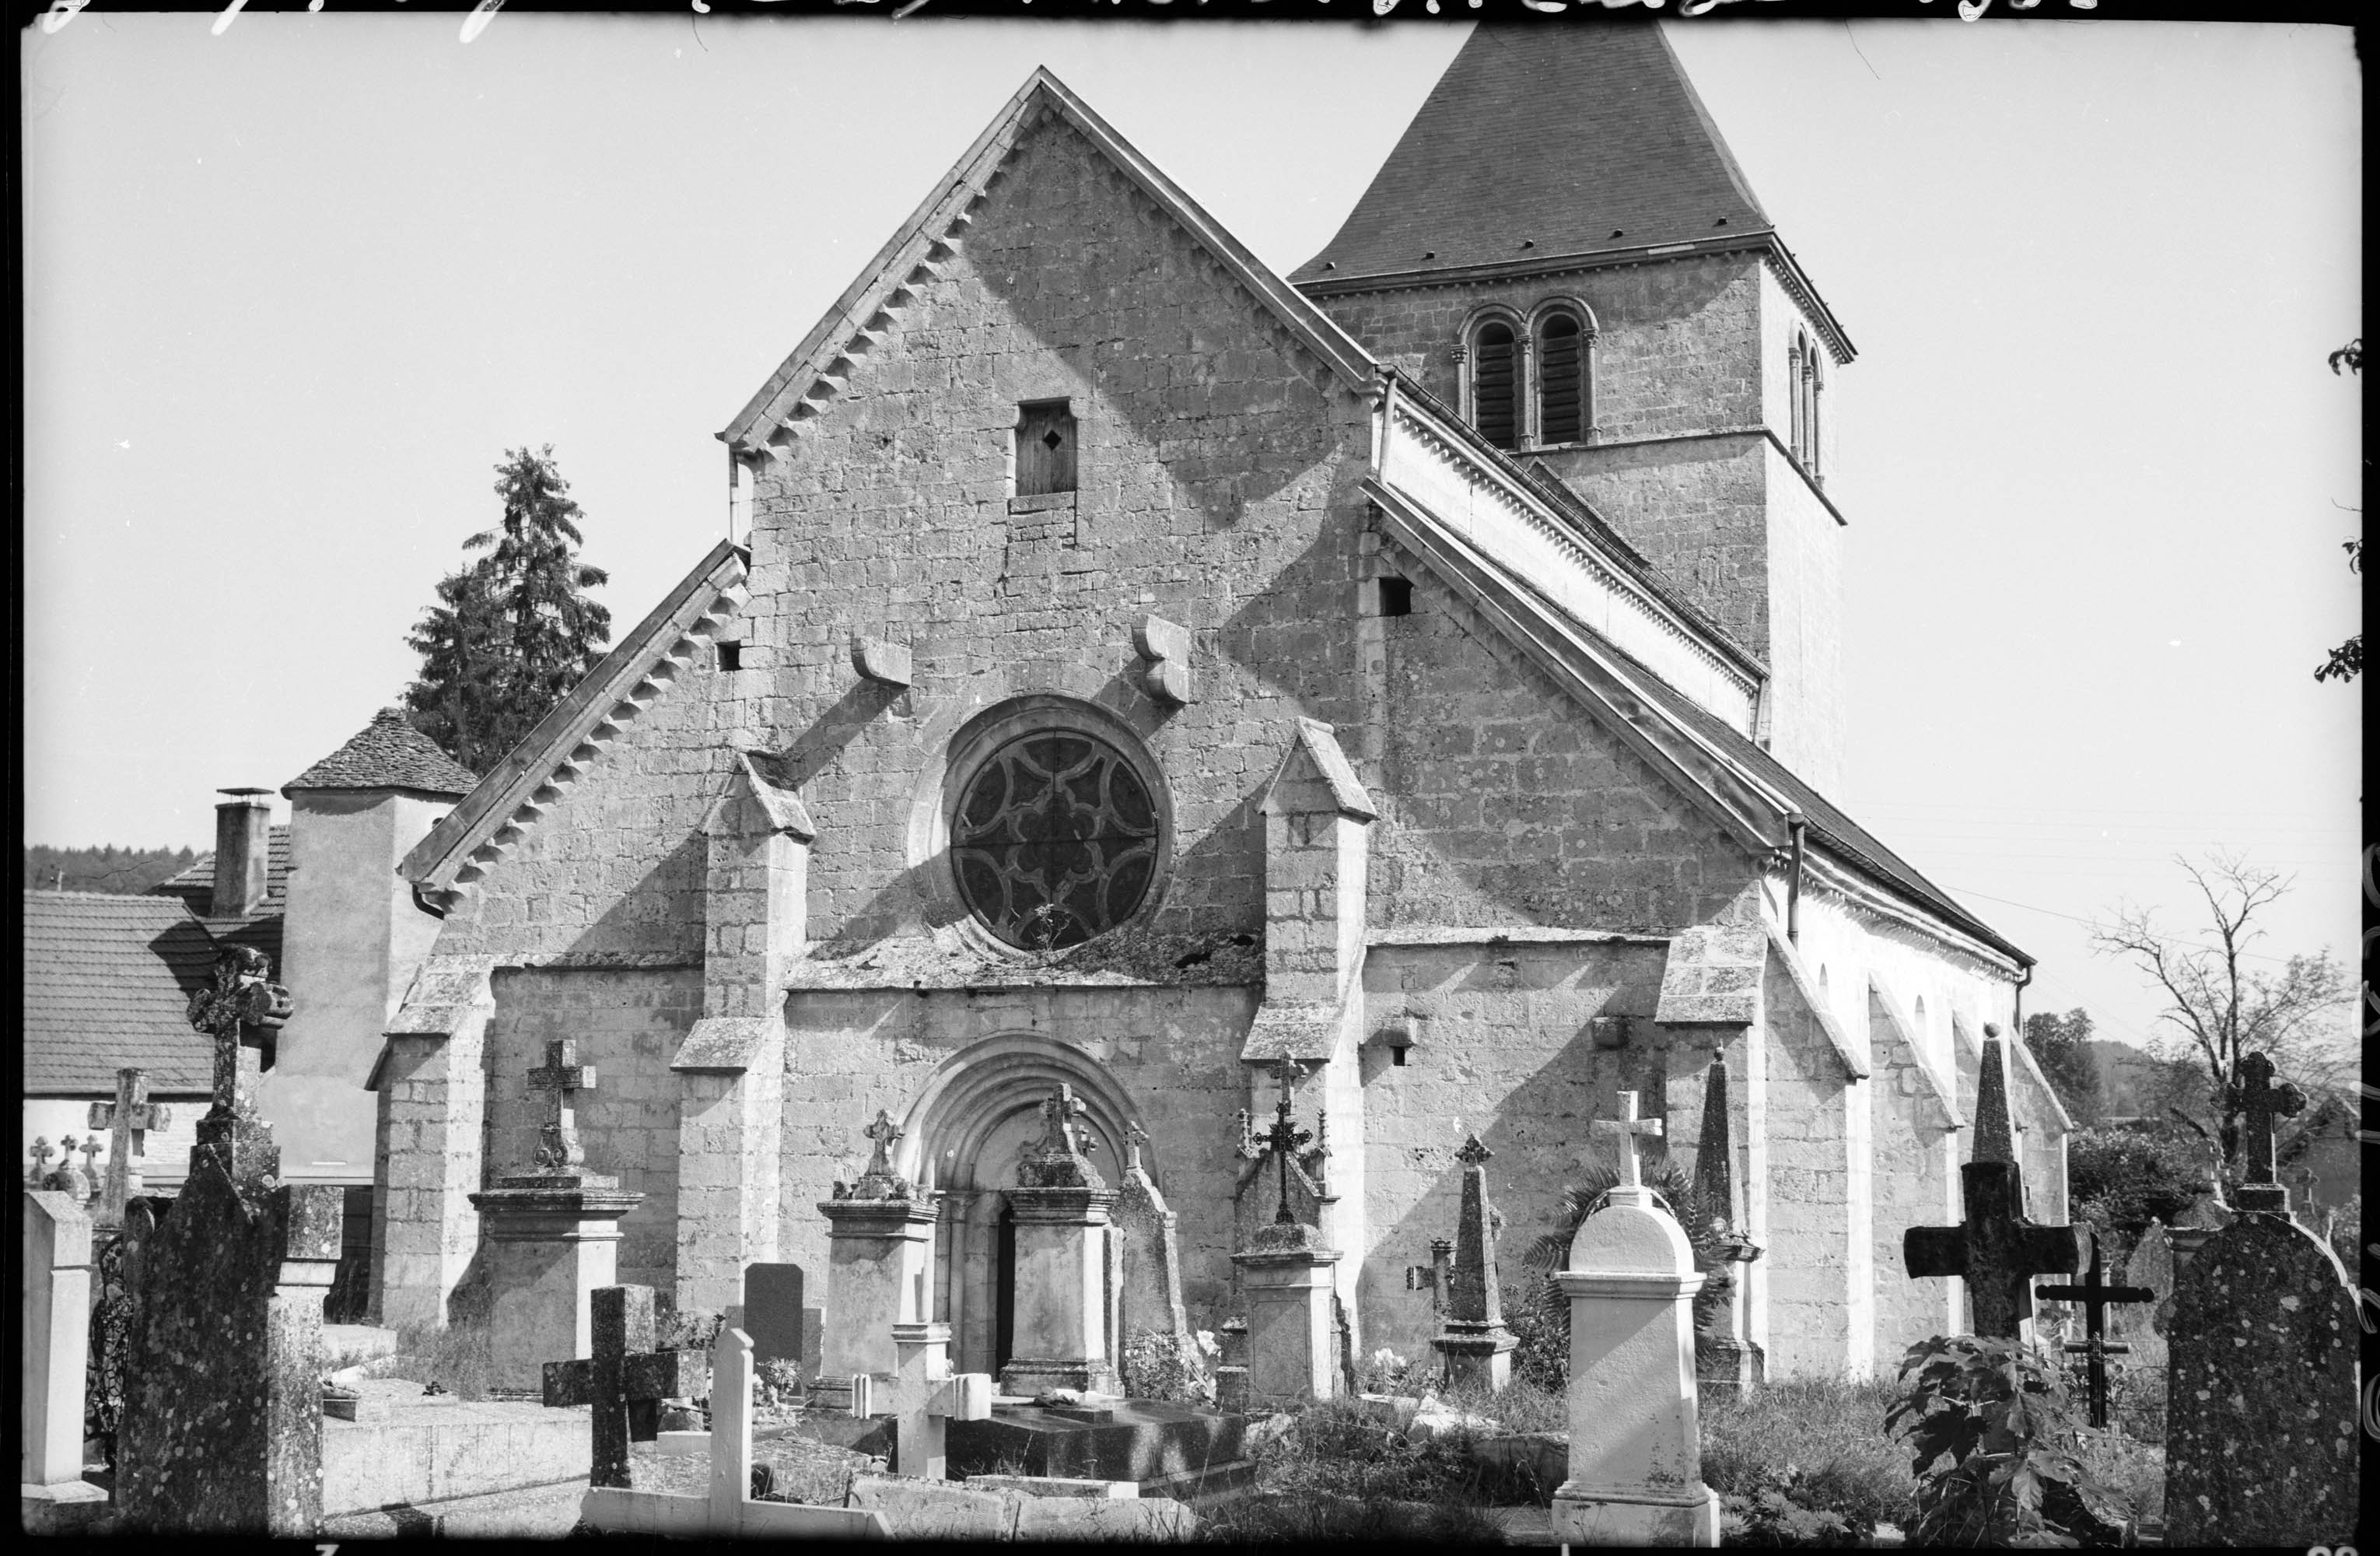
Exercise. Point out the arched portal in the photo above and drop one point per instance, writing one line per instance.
(963, 1136)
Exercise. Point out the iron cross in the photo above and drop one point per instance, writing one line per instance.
(2096, 1299)
(1629, 1129)
(562, 1075)
(1284, 1137)
(2262, 1102)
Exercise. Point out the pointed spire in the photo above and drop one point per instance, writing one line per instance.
(1994, 1134)
(1715, 1183)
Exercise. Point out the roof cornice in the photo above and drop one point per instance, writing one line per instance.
(516, 795)
(1765, 242)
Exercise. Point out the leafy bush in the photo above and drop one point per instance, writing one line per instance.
(2121, 1177)
(1338, 1473)
(1538, 1316)
(1160, 1366)
(1816, 1446)
(1997, 1450)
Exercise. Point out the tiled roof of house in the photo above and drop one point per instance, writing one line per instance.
(1542, 142)
(388, 753)
(107, 984)
(196, 885)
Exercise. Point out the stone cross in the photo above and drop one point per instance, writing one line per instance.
(560, 1076)
(2261, 1101)
(2096, 1299)
(1135, 1136)
(128, 1120)
(40, 1153)
(727, 1508)
(925, 1395)
(92, 1147)
(1628, 1129)
(625, 1380)
(1996, 1249)
(243, 1013)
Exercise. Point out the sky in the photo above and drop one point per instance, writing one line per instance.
(292, 291)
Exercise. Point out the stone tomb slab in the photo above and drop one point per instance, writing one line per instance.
(1167, 1449)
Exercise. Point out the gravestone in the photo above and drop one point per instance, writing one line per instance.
(1996, 1250)
(773, 1317)
(1285, 1277)
(1150, 1295)
(553, 1236)
(1061, 1205)
(1473, 1339)
(1725, 1353)
(2094, 1296)
(222, 1429)
(926, 1393)
(727, 1509)
(880, 1256)
(1636, 1434)
(625, 1381)
(37, 1175)
(53, 1496)
(128, 1120)
(2143, 1327)
(2261, 1432)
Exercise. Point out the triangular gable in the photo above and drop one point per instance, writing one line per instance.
(1805, 986)
(870, 307)
(514, 796)
(1314, 776)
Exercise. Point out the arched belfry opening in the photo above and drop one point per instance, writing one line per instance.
(963, 1137)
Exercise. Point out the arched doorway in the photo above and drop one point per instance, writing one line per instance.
(962, 1137)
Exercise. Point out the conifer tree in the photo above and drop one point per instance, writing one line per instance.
(513, 630)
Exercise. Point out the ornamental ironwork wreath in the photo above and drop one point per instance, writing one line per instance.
(1055, 840)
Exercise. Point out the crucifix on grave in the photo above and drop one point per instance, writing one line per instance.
(1283, 1139)
(128, 1120)
(2261, 1102)
(40, 1153)
(625, 1380)
(727, 1508)
(1627, 1129)
(243, 1013)
(2096, 1299)
(560, 1077)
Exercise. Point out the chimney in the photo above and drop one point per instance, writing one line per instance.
(243, 839)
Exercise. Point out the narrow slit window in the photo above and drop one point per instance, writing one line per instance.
(731, 656)
(1495, 383)
(1562, 380)
(1045, 448)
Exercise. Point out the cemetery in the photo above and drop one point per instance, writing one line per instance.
(1608, 1406)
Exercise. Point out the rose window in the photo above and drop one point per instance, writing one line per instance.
(1055, 840)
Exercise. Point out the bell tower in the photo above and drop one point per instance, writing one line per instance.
(1562, 249)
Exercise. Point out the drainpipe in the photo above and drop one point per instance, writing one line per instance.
(1799, 825)
(2024, 976)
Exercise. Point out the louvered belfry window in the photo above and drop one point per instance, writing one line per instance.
(1045, 448)
(1055, 840)
(1562, 380)
(1495, 382)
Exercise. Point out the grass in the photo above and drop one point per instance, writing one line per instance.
(1339, 1472)
(456, 1358)
(1830, 1434)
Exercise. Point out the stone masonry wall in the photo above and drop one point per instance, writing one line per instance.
(1505, 1045)
(1174, 1053)
(1809, 1191)
(1504, 802)
(628, 1025)
(1216, 477)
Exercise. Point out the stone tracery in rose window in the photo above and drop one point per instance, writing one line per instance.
(1055, 840)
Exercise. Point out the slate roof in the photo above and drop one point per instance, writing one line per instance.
(388, 753)
(1575, 139)
(108, 983)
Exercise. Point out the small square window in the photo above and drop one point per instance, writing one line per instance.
(1045, 448)
(731, 656)
(1396, 597)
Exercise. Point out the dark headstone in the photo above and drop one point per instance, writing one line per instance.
(2261, 1405)
(773, 1316)
(627, 1378)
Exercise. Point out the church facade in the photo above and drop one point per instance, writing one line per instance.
(1142, 668)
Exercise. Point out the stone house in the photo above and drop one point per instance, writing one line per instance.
(1141, 667)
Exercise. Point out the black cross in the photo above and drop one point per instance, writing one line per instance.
(2096, 1299)
(625, 1380)
(2261, 1101)
(1995, 1249)
(1284, 1137)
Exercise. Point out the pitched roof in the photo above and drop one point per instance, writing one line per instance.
(196, 885)
(1570, 139)
(932, 236)
(108, 983)
(388, 753)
